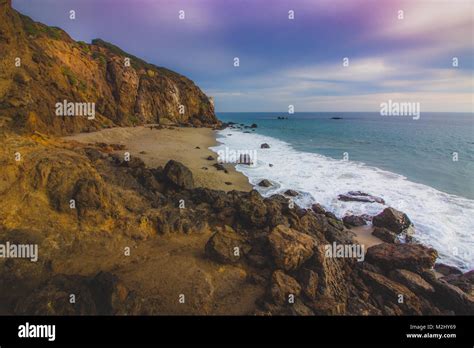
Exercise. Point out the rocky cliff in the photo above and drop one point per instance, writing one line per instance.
(41, 66)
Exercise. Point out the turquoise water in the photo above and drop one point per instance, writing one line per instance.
(407, 162)
(422, 150)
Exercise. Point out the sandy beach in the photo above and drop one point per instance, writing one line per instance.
(189, 146)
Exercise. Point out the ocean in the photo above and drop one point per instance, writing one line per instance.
(422, 167)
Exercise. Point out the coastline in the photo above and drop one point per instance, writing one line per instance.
(157, 146)
(189, 146)
(191, 251)
(292, 169)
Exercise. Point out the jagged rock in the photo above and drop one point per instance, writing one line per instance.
(179, 175)
(182, 221)
(265, 183)
(291, 193)
(290, 248)
(446, 269)
(392, 219)
(252, 209)
(412, 281)
(275, 215)
(330, 215)
(391, 292)
(414, 257)
(314, 224)
(318, 209)
(336, 223)
(222, 246)
(338, 234)
(264, 146)
(465, 281)
(354, 220)
(283, 285)
(451, 296)
(385, 235)
(254, 125)
(309, 282)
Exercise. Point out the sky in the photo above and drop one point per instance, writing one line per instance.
(403, 57)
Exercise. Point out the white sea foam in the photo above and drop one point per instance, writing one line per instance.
(443, 221)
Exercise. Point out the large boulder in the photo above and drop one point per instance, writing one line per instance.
(179, 175)
(226, 246)
(290, 248)
(393, 220)
(282, 285)
(252, 209)
(414, 257)
(265, 183)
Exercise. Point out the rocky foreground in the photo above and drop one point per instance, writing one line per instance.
(117, 237)
(277, 246)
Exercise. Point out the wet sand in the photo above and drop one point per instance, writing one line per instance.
(363, 235)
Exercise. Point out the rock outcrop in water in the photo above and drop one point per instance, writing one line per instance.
(41, 66)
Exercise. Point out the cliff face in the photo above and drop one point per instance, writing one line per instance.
(41, 66)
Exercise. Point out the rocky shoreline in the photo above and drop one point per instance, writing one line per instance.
(279, 247)
(122, 229)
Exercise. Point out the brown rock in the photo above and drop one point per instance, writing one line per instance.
(265, 183)
(446, 269)
(179, 175)
(252, 209)
(414, 257)
(392, 219)
(290, 248)
(452, 297)
(309, 282)
(282, 286)
(354, 220)
(391, 292)
(385, 235)
(291, 193)
(412, 281)
(465, 281)
(226, 246)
